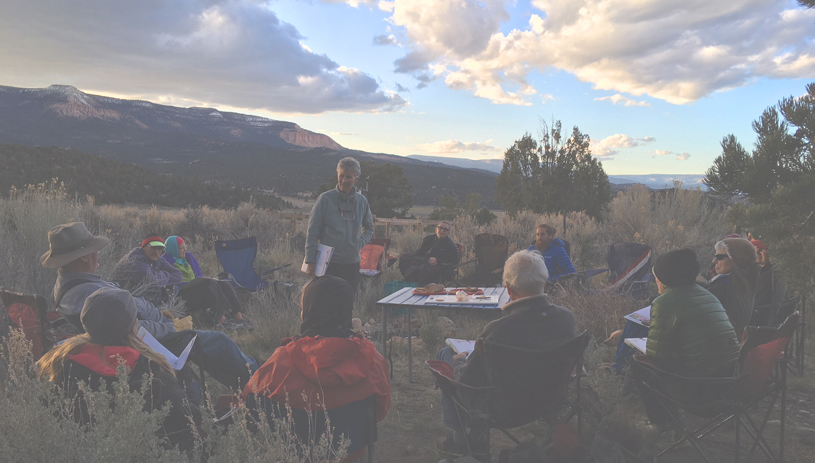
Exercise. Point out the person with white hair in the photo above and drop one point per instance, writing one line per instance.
(342, 219)
(528, 321)
(736, 279)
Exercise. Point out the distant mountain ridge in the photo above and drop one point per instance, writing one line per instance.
(654, 181)
(68, 102)
(210, 145)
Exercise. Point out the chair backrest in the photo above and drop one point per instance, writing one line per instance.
(28, 312)
(761, 348)
(370, 257)
(698, 396)
(491, 252)
(629, 262)
(787, 308)
(529, 384)
(238, 259)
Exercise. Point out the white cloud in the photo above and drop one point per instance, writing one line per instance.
(234, 53)
(610, 145)
(626, 101)
(675, 50)
(455, 146)
(679, 156)
(385, 40)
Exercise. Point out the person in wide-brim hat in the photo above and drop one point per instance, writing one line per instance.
(69, 242)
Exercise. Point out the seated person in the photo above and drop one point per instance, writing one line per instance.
(736, 279)
(110, 320)
(770, 290)
(435, 259)
(75, 252)
(690, 333)
(142, 271)
(553, 250)
(529, 321)
(200, 293)
(325, 368)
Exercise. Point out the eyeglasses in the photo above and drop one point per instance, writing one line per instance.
(721, 256)
(443, 228)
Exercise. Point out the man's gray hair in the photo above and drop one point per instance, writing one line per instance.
(349, 163)
(526, 273)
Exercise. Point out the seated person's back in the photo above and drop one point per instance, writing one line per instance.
(690, 333)
(327, 367)
(110, 319)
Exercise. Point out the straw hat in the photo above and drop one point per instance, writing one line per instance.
(69, 242)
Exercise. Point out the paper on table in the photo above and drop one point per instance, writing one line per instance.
(637, 343)
(471, 300)
(642, 316)
(176, 362)
(324, 254)
(460, 345)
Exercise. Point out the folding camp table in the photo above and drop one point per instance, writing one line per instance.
(406, 299)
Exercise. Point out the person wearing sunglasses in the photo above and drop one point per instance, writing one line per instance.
(736, 280)
(435, 259)
(144, 271)
(342, 219)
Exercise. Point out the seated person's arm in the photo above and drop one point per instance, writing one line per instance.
(661, 335)
(453, 252)
(564, 262)
(166, 274)
(151, 318)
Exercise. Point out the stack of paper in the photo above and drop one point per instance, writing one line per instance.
(324, 254)
(642, 316)
(460, 345)
(637, 343)
(176, 362)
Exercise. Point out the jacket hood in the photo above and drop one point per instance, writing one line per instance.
(105, 359)
(331, 362)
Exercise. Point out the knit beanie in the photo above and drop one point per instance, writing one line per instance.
(108, 316)
(677, 268)
(740, 250)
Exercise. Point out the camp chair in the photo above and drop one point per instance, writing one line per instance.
(491, 253)
(355, 421)
(372, 256)
(237, 257)
(629, 270)
(524, 385)
(29, 312)
(724, 399)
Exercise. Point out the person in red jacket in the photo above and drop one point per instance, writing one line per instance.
(326, 368)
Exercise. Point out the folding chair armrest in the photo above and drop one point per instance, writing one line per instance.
(275, 269)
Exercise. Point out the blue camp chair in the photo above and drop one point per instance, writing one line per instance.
(238, 260)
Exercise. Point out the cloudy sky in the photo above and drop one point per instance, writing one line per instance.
(656, 83)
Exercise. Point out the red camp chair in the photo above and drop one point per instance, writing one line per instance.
(372, 256)
(29, 312)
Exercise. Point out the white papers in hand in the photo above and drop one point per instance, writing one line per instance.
(637, 343)
(642, 316)
(324, 254)
(460, 345)
(176, 362)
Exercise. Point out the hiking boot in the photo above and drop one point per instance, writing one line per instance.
(449, 446)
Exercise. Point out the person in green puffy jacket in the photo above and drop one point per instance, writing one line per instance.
(690, 333)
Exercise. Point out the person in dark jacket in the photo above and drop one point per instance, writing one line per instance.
(200, 293)
(144, 271)
(553, 250)
(326, 368)
(433, 262)
(736, 279)
(529, 321)
(109, 317)
(690, 333)
(770, 289)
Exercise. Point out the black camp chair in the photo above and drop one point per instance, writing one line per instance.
(524, 385)
(491, 252)
(237, 257)
(629, 270)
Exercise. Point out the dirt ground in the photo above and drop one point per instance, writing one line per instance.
(414, 423)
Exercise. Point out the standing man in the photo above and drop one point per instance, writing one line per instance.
(553, 250)
(341, 218)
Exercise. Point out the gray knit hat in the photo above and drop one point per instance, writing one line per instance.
(108, 316)
(740, 250)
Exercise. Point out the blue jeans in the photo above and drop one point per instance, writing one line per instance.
(224, 361)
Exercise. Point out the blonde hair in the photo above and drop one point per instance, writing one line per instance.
(50, 364)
